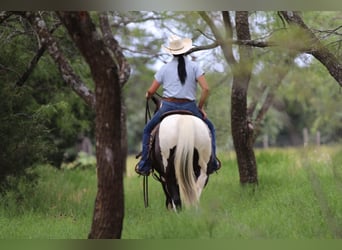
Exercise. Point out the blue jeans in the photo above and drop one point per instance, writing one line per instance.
(144, 164)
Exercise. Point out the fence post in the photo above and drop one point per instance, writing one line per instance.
(305, 136)
(265, 141)
(318, 138)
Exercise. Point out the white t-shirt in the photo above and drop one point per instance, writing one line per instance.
(167, 76)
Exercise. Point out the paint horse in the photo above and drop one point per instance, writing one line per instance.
(180, 153)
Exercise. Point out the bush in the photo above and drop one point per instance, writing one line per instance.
(24, 139)
(82, 161)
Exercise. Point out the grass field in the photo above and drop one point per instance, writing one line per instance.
(299, 196)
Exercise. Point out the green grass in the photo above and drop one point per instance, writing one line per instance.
(59, 207)
(298, 197)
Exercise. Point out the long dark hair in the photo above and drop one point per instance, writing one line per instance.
(181, 68)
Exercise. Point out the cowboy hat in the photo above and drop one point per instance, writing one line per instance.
(177, 45)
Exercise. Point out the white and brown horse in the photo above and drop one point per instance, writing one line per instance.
(181, 153)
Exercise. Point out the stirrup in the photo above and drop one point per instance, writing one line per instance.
(218, 164)
(140, 172)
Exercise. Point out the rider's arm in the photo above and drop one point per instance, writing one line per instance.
(153, 88)
(204, 93)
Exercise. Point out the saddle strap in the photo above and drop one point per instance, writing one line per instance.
(156, 177)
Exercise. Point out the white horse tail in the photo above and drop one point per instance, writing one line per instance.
(184, 161)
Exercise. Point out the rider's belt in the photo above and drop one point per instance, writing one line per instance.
(177, 100)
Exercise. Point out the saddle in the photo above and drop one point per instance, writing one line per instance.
(156, 128)
(172, 112)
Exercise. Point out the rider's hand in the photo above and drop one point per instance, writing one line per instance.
(148, 95)
(203, 113)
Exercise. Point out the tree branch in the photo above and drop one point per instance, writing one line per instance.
(228, 47)
(225, 44)
(254, 43)
(34, 62)
(316, 48)
(212, 26)
(227, 24)
(64, 67)
(20, 82)
(112, 44)
(203, 47)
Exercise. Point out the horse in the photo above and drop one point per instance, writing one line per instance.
(180, 153)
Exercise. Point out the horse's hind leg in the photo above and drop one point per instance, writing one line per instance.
(202, 178)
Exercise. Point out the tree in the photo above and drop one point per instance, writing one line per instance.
(109, 71)
(299, 39)
(242, 128)
(236, 41)
(109, 204)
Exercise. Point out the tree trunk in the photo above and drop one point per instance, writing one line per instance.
(124, 73)
(242, 129)
(109, 203)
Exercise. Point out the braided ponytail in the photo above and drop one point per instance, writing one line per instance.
(181, 69)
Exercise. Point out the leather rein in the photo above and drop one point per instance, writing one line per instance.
(145, 178)
(154, 175)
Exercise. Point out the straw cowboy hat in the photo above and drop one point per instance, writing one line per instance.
(177, 45)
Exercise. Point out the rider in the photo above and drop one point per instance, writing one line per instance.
(179, 79)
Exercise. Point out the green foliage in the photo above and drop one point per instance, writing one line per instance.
(40, 118)
(142, 33)
(135, 101)
(327, 26)
(61, 115)
(24, 137)
(312, 101)
(82, 161)
(68, 117)
(307, 96)
(217, 109)
(288, 40)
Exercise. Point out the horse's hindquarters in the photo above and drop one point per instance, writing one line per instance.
(179, 137)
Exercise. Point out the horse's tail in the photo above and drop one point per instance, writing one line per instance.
(184, 161)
